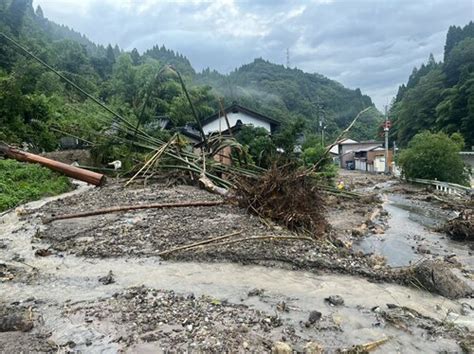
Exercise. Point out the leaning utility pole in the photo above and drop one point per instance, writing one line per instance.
(386, 128)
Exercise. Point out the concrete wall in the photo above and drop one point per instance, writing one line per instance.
(221, 125)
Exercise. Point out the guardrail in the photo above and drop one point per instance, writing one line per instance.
(444, 187)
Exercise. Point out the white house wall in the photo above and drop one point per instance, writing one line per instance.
(221, 125)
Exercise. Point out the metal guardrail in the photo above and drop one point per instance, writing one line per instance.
(444, 187)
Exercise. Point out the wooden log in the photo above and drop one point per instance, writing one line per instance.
(81, 174)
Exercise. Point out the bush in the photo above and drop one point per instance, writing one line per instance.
(434, 156)
(21, 183)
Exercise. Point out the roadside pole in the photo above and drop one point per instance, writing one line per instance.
(386, 128)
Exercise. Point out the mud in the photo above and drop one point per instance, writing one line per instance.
(99, 286)
(150, 232)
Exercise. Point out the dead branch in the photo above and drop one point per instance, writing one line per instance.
(196, 244)
(134, 207)
(284, 196)
(338, 139)
(209, 186)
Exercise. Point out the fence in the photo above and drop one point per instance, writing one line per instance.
(444, 187)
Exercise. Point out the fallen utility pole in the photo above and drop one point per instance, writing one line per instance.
(81, 174)
(133, 207)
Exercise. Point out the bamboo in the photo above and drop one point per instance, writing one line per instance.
(196, 244)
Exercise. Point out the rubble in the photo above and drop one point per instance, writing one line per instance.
(462, 227)
(181, 322)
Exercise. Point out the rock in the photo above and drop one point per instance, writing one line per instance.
(42, 252)
(281, 348)
(108, 279)
(423, 249)
(314, 316)
(377, 229)
(335, 300)
(360, 231)
(313, 348)
(282, 306)
(438, 278)
(466, 309)
(15, 322)
(256, 292)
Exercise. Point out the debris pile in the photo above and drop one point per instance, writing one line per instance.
(286, 196)
(184, 322)
(462, 227)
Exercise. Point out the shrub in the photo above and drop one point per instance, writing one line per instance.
(434, 156)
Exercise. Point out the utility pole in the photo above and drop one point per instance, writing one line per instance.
(321, 121)
(386, 128)
(288, 57)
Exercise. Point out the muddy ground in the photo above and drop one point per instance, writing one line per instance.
(150, 232)
(98, 284)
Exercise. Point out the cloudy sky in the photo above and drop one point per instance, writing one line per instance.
(370, 44)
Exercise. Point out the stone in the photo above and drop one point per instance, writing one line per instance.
(255, 292)
(438, 278)
(313, 348)
(314, 316)
(281, 348)
(108, 279)
(335, 300)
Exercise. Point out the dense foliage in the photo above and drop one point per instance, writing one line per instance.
(439, 96)
(20, 183)
(37, 107)
(434, 156)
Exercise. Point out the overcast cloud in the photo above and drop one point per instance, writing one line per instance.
(370, 44)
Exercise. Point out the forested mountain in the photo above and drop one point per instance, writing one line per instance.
(288, 93)
(439, 96)
(37, 107)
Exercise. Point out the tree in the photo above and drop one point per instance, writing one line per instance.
(434, 156)
(16, 13)
(258, 143)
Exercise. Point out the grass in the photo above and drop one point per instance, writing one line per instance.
(22, 182)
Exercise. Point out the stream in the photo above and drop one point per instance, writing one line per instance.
(410, 238)
(71, 279)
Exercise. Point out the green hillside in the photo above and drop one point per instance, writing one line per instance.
(439, 96)
(38, 108)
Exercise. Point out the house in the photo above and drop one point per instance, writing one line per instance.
(237, 116)
(372, 159)
(368, 156)
(347, 147)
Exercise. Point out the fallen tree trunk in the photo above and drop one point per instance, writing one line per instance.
(133, 207)
(81, 174)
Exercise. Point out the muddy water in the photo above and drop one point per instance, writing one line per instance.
(75, 279)
(410, 236)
